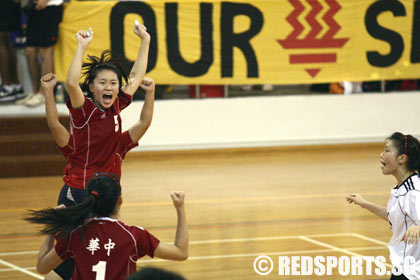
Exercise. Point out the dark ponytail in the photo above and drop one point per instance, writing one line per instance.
(410, 146)
(62, 220)
(94, 65)
(102, 194)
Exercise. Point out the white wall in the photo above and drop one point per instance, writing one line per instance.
(269, 121)
(276, 121)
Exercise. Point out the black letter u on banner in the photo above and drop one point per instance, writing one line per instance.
(177, 63)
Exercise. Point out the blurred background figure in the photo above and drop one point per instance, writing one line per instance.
(346, 87)
(264, 87)
(10, 20)
(42, 34)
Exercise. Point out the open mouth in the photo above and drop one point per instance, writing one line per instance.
(107, 98)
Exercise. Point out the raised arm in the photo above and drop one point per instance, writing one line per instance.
(376, 209)
(139, 128)
(139, 68)
(179, 250)
(58, 131)
(73, 76)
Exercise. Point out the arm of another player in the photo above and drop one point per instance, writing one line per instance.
(376, 209)
(58, 131)
(73, 76)
(47, 257)
(140, 65)
(139, 128)
(179, 250)
(41, 4)
(412, 235)
(412, 212)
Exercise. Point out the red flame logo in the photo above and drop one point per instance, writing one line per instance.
(311, 41)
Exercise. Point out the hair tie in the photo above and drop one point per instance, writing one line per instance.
(405, 150)
(113, 177)
(93, 69)
(95, 193)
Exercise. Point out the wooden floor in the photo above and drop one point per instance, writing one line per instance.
(240, 204)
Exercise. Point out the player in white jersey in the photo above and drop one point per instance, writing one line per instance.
(401, 158)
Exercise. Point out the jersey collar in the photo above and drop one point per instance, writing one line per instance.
(402, 184)
(104, 219)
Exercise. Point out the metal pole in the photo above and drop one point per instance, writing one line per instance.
(197, 91)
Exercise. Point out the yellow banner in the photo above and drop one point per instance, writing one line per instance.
(253, 42)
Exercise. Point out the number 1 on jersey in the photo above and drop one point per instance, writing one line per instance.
(100, 269)
(117, 127)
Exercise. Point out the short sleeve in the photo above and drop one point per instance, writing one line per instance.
(412, 206)
(61, 246)
(80, 115)
(126, 143)
(146, 242)
(124, 100)
(68, 149)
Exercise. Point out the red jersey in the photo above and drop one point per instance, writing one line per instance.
(108, 249)
(96, 143)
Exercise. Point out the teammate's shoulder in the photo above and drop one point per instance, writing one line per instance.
(136, 229)
(125, 226)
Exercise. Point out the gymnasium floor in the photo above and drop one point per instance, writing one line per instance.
(240, 204)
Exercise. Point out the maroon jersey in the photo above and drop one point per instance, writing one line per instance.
(108, 249)
(96, 142)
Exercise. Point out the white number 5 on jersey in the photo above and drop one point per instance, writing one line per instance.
(117, 126)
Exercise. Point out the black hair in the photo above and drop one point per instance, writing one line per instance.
(408, 145)
(153, 273)
(94, 65)
(102, 194)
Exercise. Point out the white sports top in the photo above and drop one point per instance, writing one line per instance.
(403, 212)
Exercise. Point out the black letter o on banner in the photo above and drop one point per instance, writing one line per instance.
(119, 11)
